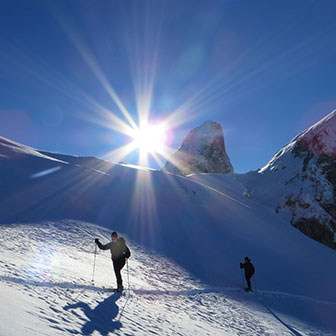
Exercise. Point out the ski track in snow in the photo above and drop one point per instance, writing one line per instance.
(217, 191)
(45, 276)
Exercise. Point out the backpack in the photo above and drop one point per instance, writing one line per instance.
(127, 252)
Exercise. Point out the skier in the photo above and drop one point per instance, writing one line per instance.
(119, 253)
(249, 271)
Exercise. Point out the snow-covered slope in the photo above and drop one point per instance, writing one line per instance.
(46, 271)
(300, 181)
(12, 150)
(202, 151)
(320, 139)
(187, 232)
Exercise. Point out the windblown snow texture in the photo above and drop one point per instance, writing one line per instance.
(202, 151)
(45, 276)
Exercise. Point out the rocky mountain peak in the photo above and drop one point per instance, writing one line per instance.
(202, 151)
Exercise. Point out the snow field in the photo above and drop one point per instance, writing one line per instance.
(45, 275)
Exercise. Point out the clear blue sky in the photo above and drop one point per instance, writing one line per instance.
(265, 70)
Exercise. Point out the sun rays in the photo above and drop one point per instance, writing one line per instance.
(134, 113)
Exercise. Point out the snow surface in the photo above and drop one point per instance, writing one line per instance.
(290, 181)
(46, 271)
(297, 181)
(12, 149)
(187, 237)
(320, 138)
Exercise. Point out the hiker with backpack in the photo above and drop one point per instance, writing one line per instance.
(249, 271)
(119, 254)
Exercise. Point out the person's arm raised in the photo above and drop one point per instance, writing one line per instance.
(101, 246)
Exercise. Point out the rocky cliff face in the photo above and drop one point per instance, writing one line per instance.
(202, 151)
(301, 181)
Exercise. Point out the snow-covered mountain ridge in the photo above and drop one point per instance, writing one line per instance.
(300, 181)
(200, 227)
(12, 150)
(320, 139)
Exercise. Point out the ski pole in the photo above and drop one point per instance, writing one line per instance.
(242, 274)
(94, 264)
(255, 284)
(128, 275)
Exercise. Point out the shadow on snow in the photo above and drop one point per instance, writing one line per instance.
(102, 318)
(68, 285)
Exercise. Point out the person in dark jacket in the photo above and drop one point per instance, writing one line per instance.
(119, 253)
(249, 271)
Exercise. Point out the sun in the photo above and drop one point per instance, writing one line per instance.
(150, 138)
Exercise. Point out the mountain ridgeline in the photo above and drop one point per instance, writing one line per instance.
(298, 183)
(192, 229)
(303, 177)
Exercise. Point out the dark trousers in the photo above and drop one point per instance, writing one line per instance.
(118, 264)
(248, 280)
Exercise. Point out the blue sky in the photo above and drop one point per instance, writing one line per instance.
(265, 70)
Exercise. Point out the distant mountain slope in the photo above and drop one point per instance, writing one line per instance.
(300, 181)
(12, 150)
(87, 162)
(203, 228)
